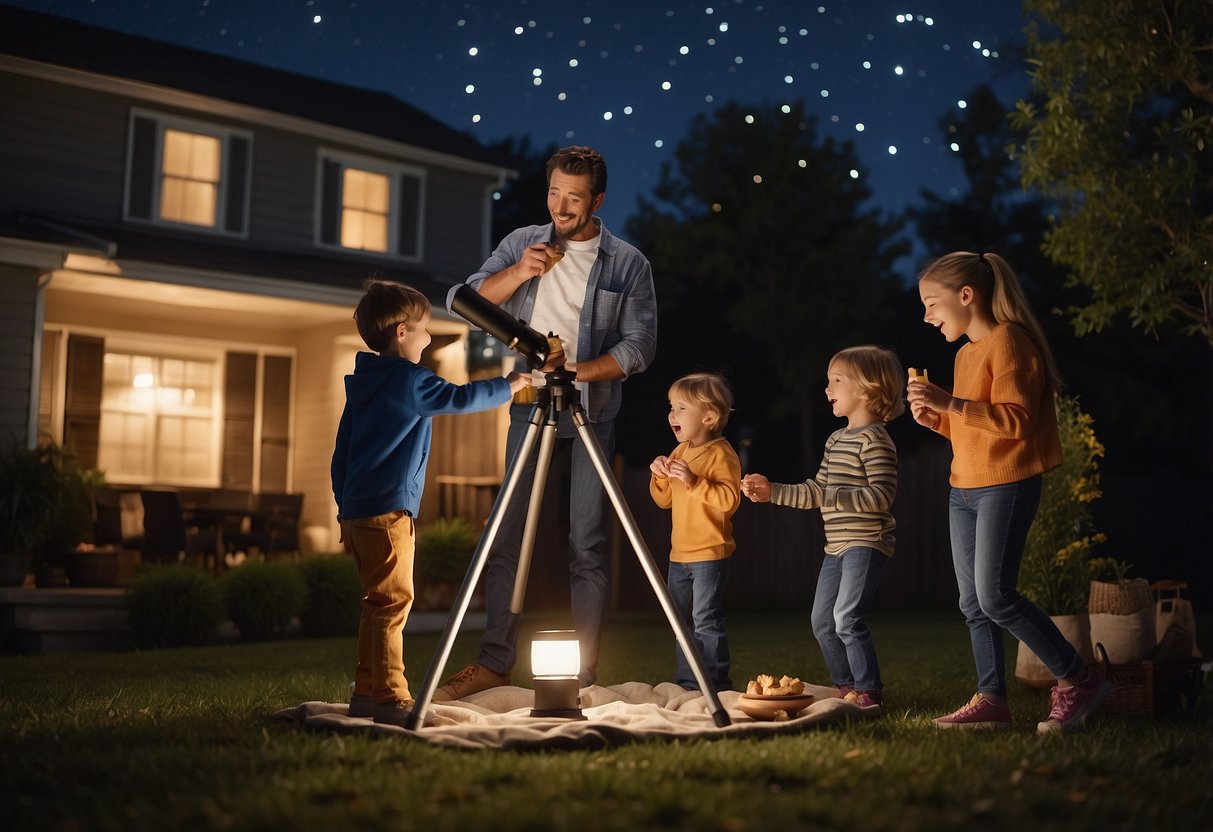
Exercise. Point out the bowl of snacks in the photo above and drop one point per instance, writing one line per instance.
(770, 699)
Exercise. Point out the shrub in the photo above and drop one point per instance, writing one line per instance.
(1055, 572)
(174, 606)
(333, 602)
(444, 550)
(262, 598)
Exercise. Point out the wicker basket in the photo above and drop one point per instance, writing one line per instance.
(1150, 688)
(1119, 597)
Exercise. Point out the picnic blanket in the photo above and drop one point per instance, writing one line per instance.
(500, 718)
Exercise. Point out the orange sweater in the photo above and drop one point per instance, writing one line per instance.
(1007, 428)
(702, 516)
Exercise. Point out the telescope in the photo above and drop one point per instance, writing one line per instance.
(470, 305)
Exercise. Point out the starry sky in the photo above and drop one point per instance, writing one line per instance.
(627, 76)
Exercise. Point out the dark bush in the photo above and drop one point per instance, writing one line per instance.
(333, 601)
(262, 598)
(174, 606)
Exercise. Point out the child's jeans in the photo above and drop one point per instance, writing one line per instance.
(383, 548)
(697, 590)
(846, 590)
(989, 527)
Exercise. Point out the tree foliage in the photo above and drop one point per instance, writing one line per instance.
(1120, 133)
(761, 229)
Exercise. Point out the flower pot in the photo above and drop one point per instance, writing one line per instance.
(1031, 672)
(98, 567)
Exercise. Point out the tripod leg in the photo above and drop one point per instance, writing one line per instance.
(542, 464)
(719, 715)
(479, 558)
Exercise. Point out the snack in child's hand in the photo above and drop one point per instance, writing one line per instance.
(918, 375)
(766, 685)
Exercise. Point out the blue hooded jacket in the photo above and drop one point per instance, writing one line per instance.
(383, 440)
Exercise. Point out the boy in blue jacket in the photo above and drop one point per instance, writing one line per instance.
(378, 470)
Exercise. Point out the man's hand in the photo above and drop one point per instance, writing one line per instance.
(518, 381)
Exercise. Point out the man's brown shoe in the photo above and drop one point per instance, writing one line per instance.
(472, 679)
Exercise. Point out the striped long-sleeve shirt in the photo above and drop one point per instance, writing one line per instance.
(854, 488)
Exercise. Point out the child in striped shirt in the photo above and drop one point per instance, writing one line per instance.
(854, 488)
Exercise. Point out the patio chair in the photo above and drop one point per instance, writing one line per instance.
(167, 538)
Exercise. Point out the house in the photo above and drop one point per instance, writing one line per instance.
(183, 239)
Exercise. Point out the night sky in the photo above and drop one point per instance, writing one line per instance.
(626, 76)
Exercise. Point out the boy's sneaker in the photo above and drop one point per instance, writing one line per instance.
(1071, 707)
(863, 698)
(844, 691)
(472, 679)
(978, 714)
(395, 712)
(360, 706)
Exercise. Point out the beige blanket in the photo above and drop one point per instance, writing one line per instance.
(500, 718)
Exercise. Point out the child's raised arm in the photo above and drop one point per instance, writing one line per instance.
(756, 487)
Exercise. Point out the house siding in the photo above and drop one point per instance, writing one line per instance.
(18, 326)
(57, 140)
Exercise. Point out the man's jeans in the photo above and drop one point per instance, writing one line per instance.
(697, 590)
(846, 590)
(589, 560)
(989, 527)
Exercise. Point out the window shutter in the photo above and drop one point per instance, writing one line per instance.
(410, 216)
(240, 397)
(236, 178)
(142, 174)
(275, 423)
(82, 406)
(330, 200)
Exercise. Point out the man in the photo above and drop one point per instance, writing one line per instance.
(574, 278)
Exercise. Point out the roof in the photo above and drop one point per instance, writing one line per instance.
(65, 42)
(344, 269)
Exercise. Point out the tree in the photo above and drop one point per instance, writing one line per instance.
(762, 232)
(524, 200)
(1121, 139)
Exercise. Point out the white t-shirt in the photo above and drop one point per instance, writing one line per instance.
(561, 295)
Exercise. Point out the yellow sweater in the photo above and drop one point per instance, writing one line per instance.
(702, 516)
(1007, 429)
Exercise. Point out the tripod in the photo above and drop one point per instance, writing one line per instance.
(557, 396)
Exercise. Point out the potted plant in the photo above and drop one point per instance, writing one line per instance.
(444, 550)
(1055, 572)
(45, 512)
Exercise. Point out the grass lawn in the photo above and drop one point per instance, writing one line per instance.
(182, 740)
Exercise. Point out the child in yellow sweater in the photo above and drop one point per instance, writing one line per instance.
(1002, 424)
(700, 481)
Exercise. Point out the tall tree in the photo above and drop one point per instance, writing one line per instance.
(760, 228)
(1121, 137)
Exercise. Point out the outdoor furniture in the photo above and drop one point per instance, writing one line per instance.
(167, 538)
(273, 526)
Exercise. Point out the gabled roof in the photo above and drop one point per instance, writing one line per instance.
(65, 42)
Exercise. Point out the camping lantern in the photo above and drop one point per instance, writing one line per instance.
(555, 663)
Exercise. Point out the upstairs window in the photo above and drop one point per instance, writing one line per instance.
(187, 173)
(370, 205)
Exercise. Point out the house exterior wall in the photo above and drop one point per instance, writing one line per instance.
(19, 325)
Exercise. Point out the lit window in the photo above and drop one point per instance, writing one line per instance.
(183, 172)
(365, 207)
(370, 205)
(189, 187)
(158, 418)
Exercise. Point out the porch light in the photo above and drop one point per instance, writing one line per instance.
(555, 663)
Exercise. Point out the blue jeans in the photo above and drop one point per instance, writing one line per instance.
(846, 590)
(697, 591)
(589, 564)
(989, 527)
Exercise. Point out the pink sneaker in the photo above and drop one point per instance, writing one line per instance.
(1071, 707)
(979, 713)
(863, 698)
(844, 690)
